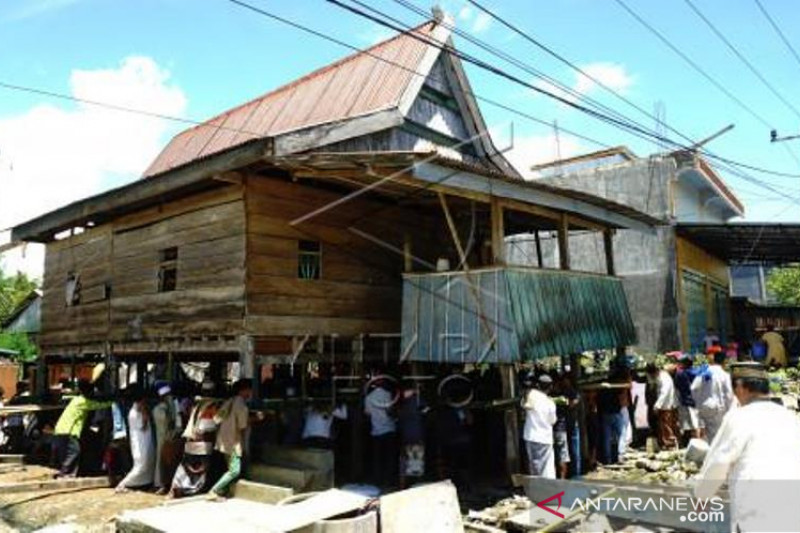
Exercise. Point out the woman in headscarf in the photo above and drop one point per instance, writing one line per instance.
(140, 428)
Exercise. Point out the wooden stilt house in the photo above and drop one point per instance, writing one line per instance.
(360, 203)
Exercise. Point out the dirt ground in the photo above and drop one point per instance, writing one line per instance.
(74, 510)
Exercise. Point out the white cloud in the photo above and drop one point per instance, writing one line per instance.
(34, 8)
(537, 149)
(465, 13)
(375, 34)
(612, 75)
(53, 155)
(481, 22)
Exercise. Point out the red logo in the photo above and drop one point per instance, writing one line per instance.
(551, 498)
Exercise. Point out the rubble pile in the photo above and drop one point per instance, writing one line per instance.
(664, 467)
(498, 514)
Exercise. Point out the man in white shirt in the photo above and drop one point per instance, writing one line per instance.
(383, 431)
(713, 395)
(540, 416)
(666, 406)
(755, 452)
(317, 430)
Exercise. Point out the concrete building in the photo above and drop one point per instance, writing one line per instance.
(675, 288)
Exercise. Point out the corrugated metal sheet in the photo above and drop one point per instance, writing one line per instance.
(360, 84)
(444, 323)
(559, 312)
(505, 315)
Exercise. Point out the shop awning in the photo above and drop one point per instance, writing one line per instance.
(746, 242)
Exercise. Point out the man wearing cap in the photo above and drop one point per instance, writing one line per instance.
(540, 416)
(755, 452)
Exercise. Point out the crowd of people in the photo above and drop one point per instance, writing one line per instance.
(670, 404)
(145, 438)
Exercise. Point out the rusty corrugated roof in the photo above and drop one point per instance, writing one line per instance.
(360, 84)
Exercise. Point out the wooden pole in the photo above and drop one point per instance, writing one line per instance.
(508, 376)
(583, 441)
(498, 232)
(538, 241)
(563, 241)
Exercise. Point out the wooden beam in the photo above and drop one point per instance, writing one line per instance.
(563, 241)
(462, 256)
(529, 192)
(498, 232)
(608, 245)
(55, 484)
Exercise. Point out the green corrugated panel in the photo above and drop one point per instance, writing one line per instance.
(558, 313)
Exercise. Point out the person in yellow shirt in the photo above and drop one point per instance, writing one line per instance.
(69, 427)
(776, 352)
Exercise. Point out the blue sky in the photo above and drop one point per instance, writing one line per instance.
(195, 58)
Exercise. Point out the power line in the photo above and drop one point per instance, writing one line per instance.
(741, 57)
(632, 128)
(692, 63)
(115, 107)
(778, 31)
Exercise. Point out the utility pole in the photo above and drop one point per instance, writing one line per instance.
(773, 137)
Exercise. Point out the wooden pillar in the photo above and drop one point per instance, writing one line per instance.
(408, 258)
(538, 248)
(608, 242)
(563, 241)
(508, 376)
(247, 363)
(498, 232)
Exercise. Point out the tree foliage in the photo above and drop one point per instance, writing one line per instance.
(784, 284)
(19, 343)
(13, 290)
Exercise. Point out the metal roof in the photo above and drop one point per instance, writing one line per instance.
(747, 242)
(363, 83)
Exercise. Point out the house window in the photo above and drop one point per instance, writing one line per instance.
(168, 270)
(309, 259)
(72, 289)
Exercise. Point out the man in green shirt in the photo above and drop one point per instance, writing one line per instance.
(69, 427)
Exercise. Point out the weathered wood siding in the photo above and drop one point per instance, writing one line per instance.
(208, 230)
(359, 290)
(88, 255)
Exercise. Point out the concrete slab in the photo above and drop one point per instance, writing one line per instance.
(260, 492)
(431, 507)
(201, 516)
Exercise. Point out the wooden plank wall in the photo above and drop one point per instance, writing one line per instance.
(88, 255)
(209, 231)
(360, 287)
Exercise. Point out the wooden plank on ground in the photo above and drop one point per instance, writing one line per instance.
(11, 458)
(55, 484)
(431, 507)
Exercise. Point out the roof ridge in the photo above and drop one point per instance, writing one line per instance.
(313, 74)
